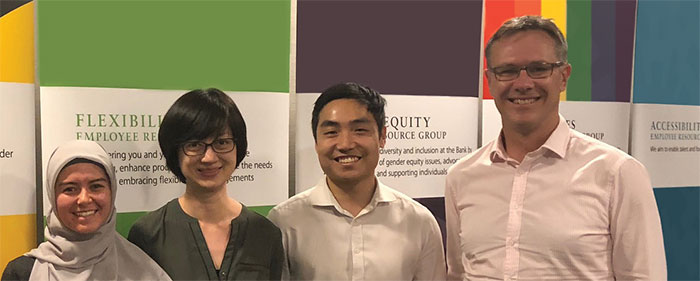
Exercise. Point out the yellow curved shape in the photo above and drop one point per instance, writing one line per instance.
(17, 236)
(17, 45)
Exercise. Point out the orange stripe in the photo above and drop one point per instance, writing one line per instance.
(17, 236)
(495, 13)
(17, 45)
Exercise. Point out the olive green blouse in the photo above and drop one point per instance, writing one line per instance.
(175, 241)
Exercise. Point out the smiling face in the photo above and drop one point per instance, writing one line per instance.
(527, 105)
(348, 142)
(83, 197)
(210, 170)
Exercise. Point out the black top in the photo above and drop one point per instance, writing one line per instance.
(175, 241)
(19, 269)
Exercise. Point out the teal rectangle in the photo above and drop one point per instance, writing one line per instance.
(232, 45)
(667, 52)
(679, 209)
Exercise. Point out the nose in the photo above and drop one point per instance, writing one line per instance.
(210, 155)
(346, 141)
(523, 83)
(84, 196)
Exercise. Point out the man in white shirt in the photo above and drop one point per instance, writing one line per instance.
(544, 202)
(350, 226)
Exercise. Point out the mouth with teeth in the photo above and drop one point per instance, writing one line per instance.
(85, 213)
(347, 159)
(523, 100)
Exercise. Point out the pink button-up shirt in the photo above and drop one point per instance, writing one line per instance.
(574, 209)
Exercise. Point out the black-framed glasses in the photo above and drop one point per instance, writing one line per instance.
(536, 70)
(196, 148)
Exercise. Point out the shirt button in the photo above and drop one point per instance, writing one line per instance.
(357, 251)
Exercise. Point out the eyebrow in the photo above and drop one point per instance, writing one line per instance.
(329, 123)
(92, 181)
(520, 65)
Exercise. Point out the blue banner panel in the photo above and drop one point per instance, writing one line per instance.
(679, 209)
(667, 54)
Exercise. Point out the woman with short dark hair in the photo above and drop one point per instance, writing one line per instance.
(205, 234)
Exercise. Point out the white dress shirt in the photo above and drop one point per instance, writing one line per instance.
(392, 238)
(574, 209)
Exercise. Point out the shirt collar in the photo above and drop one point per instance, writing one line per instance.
(382, 194)
(556, 143)
(498, 152)
(559, 139)
(321, 195)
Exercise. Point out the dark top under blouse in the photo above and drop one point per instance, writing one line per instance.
(19, 269)
(175, 241)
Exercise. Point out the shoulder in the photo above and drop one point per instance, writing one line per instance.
(410, 208)
(469, 163)
(259, 234)
(587, 147)
(152, 222)
(298, 201)
(259, 224)
(19, 269)
(290, 207)
(471, 159)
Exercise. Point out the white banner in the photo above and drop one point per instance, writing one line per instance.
(17, 155)
(666, 139)
(604, 121)
(126, 121)
(425, 136)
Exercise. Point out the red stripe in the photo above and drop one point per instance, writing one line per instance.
(528, 7)
(495, 13)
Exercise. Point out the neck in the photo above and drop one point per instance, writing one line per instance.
(209, 206)
(353, 196)
(519, 141)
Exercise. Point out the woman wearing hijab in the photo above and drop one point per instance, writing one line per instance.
(81, 240)
(205, 234)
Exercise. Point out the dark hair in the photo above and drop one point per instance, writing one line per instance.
(83, 160)
(373, 100)
(527, 23)
(197, 115)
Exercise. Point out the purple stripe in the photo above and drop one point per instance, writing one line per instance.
(603, 72)
(625, 13)
(396, 47)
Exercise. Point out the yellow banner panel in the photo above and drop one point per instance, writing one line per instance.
(17, 236)
(17, 45)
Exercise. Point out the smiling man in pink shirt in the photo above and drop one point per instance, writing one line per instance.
(542, 201)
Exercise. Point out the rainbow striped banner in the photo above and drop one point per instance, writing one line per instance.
(600, 36)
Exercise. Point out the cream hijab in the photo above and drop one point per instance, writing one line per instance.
(102, 255)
